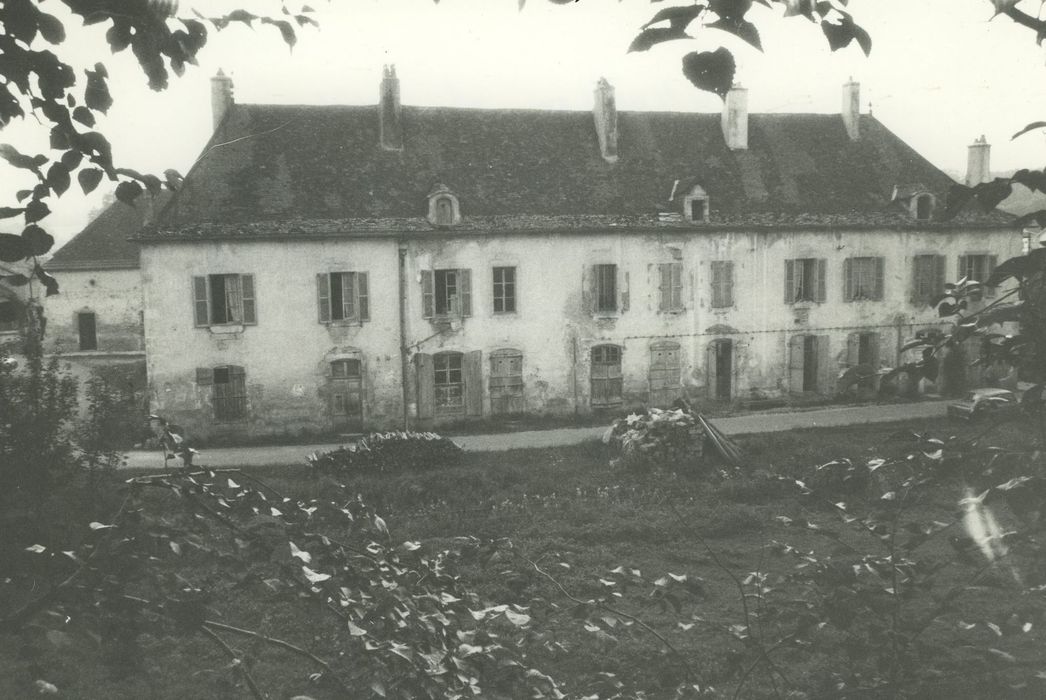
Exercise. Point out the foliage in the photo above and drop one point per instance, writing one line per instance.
(37, 405)
(655, 438)
(112, 420)
(389, 452)
(35, 81)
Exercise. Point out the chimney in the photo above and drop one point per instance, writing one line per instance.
(605, 114)
(978, 162)
(221, 97)
(391, 125)
(851, 110)
(735, 118)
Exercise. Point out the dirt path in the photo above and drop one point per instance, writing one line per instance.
(734, 425)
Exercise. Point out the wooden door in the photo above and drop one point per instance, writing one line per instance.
(664, 374)
(346, 395)
(506, 382)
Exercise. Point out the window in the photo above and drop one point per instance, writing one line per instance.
(695, 204)
(722, 284)
(927, 278)
(444, 212)
(86, 326)
(863, 279)
(606, 376)
(924, 207)
(449, 382)
(343, 296)
(446, 293)
(504, 290)
(224, 299)
(978, 268)
(670, 286)
(228, 391)
(506, 381)
(697, 209)
(805, 280)
(809, 364)
(605, 288)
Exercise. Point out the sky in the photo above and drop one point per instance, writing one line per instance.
(941, 73)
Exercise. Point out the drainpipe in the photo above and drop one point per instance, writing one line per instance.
(403, 333)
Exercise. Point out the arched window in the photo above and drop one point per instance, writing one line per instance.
(606, 376)
(444, 211)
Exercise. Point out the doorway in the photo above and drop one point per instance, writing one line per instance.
(346, 395)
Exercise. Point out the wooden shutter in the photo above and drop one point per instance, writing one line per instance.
(362, 296)
(201, 301)
(428, 297)
(204, 376)
(796, 362)
(992, 260)
(710, 369)
(623, 293)
(588, 303)
(962, 267)
(250, 314)
(473, 376)
(677, 286)
(789, 281)
(664, 286)
(873, 346)
(879, 278)
(848, 280)
(826, 369)
(465, 291)
(426, 378)
(323, 297)
(822, 275)
(729, 270)
(940, 276)
(916, 296)
(853, 349)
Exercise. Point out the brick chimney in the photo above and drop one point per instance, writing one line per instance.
(605, 114)
(978, 162)
(222, 98)
(391, 122)
(851, 110)
(735, 118)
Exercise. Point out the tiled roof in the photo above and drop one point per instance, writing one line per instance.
(311, 170)
(104, 244)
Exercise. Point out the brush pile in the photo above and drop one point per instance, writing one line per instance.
(390, 452)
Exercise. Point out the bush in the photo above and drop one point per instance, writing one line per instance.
(657, 438)
(389, 452)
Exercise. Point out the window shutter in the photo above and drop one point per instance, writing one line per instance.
(789, 281)
(664, 286)
(588, 303)
(677, 286)
(879, 271)
(728, 271)
(474, 383)
(916, 296)
(873, 343)
(822, 275)
(201, 304)
(426, 385)
(962, 267)
(796, 362)
(204, 376)
(826, 369)
(323, 297)
(710, 369)
(428, 295)
(235, 371)
(363, 296)
(848, 280)
(623, 294)
(940, 276)
(465, 286)
(247, 299)
(992, 260)
(853, 349)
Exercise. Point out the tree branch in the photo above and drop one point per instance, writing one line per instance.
(237, 663)
(1025, 20)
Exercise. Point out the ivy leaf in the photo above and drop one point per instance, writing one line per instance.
(89, 179)
(677, 17)
(741, 28)
(712, 71)
(36, 210)
(58, 178)
(656, 35)
(13, 248)
(127, 192)
(37, 240)
(71, 159)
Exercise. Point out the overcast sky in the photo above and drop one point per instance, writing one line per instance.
(940, 73)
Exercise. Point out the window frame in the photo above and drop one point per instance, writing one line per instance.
(205, 300)
(358, 300)
(81, 316)
(990, 261)
(670, 287)
(504, 290)
(430, 293)
(231, 408)
(605, 289)
(876, 272)
(927, 286)
(613, 381)
(722, 281)
(805, 280)
(445, 390)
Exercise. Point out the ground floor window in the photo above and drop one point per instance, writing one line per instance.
(449, 382)
(606, 376)
(809, 364)
(228, 391)
(506, 381)
(87, 330)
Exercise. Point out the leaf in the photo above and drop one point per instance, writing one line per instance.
(84, 116)
(677, 17)
(9, 212)
(313, 576)
(89, 179)
(37, 240)
(355, 630)
(13, 248)
(840, 34)
(36, 549)
(518, 619)
(1008, 658)
(1031, 127)
(58, 178)
(36, 210)
(51, 28)
(303, 555)
(95, 525)
(656, 35)
(51, 285)
(96, 94)
(712, 71)
(740, 28)
(127, 192)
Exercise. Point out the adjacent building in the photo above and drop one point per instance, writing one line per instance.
(333, 268)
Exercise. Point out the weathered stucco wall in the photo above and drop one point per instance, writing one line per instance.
(286, 355)
(114, 296)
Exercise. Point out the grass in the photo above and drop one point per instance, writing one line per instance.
(565, 506)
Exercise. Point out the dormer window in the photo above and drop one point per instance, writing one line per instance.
(695, 205)
(924, 204)
(443, 207)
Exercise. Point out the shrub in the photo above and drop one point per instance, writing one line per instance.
(389, 452)
(657, 438)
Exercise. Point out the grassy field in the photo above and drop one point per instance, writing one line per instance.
(565, 511)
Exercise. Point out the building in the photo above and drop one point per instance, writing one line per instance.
(330, 268)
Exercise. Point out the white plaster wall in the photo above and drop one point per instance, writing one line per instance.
(115, 296)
